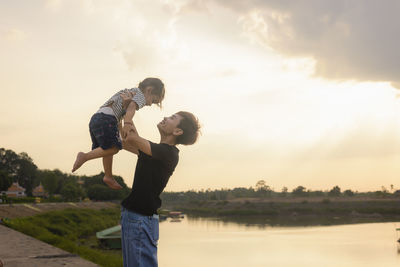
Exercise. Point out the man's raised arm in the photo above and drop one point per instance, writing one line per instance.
(125, 144)
(133, 140)
(129, 147)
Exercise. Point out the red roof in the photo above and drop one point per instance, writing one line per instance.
(38, 189)
(15, 187)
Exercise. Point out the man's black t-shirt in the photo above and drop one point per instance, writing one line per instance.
(151, 176)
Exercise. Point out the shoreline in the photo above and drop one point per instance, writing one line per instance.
(304, 211)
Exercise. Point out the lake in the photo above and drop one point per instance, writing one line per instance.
(203, 242)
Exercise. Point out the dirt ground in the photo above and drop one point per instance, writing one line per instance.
(30, 209)
(19, 250)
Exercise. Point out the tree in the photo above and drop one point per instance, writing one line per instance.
(261, 185)
(19, 167)
(71, 192)
(284, 191)
(299, 191)
(98, 179)
(335, 191)
(50, 181)
(348, 193)
(5, 180)
(263, 189)
(238, 192)
(9, 162)
(102, 192)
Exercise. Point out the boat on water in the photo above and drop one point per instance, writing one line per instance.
(176, 214)
(398, 233)
(110, 237)
(163, 217)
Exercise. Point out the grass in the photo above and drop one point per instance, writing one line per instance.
(73, 230)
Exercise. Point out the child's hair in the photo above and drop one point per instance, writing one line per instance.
(190, 126)
(158, 88)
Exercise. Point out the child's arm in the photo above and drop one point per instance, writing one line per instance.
(130, 112)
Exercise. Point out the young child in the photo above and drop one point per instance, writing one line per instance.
(103, 125)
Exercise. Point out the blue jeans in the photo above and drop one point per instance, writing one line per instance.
(139, 236)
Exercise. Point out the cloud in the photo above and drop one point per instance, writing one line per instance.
(349, 40)
(14, 35)
(137, 54)
(365, 141)
(148, 40)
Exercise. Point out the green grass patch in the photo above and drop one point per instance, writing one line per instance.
(73, 230)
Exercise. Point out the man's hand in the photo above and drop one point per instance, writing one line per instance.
(129, 130)
(128, 127)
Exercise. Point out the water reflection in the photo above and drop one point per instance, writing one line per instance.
(265, 222)
(213, 242)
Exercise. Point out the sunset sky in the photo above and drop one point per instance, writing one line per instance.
(291, 92)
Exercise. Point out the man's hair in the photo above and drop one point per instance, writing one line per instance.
(190, 126)
(158, 88)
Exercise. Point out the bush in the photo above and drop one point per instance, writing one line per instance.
(326, 201)
(102, 192)
(21, 199)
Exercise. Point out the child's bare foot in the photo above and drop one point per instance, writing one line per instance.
(80, 159)
(111, 183)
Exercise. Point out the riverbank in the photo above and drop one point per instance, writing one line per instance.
(22, 250)
(300, 211)
(72, 230)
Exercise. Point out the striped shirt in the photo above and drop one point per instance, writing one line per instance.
(115, 102)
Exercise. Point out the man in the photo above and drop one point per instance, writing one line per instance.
(155, 165)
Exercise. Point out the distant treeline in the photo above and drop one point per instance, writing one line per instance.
(20, 168)
(262, 190)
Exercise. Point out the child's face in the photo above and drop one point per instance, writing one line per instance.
(149, 97)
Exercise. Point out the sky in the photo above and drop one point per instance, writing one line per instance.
(290, 92)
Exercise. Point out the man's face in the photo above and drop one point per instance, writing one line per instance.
(169, 125)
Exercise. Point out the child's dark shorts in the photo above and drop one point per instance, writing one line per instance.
(104, 131)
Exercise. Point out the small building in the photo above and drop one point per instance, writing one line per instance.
(39, 191)
(15, 190)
